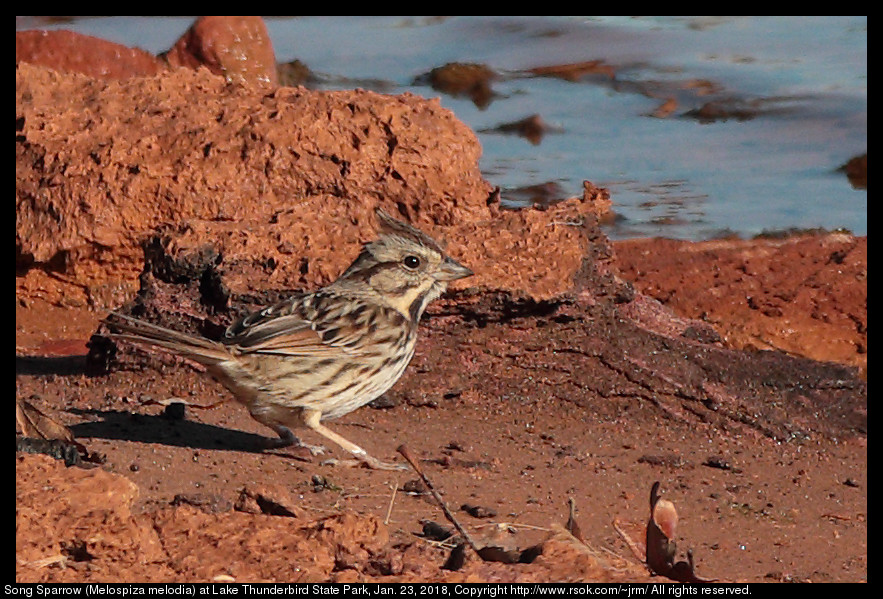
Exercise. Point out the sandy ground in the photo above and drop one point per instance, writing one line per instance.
(486, 410)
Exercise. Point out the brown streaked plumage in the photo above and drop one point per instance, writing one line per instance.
(320, 355)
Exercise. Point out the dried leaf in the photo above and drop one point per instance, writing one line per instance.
(661, 549)
(457, 557)
(435, 531)
(666, 518)
(37, 425)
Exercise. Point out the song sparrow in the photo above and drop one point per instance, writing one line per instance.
(317, 356)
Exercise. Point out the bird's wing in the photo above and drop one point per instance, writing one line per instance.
(300, 326)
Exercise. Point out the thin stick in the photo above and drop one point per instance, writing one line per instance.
(391, 501)
(631, 544)
(413, 462)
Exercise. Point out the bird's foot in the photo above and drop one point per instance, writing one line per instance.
(288, 439)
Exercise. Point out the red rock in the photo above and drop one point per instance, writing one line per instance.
(69, 51)
(239, 48)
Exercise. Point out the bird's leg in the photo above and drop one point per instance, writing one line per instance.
(288, 439)
(312, 419)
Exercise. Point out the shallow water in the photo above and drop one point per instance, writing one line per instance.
(804, 80)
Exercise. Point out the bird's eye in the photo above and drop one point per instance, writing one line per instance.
(411, 262)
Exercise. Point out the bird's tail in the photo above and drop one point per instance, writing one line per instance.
(198, 349)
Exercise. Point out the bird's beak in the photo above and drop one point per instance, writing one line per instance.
(451, 270)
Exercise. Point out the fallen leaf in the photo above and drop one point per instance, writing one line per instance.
(661, 549)
(37, 425)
